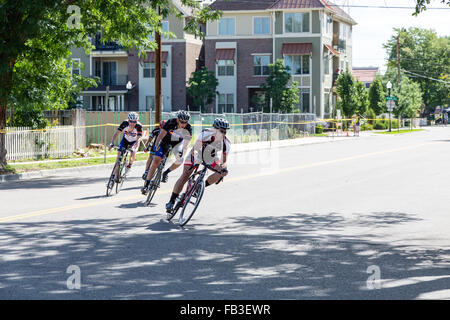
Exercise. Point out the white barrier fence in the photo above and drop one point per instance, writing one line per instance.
(24, 143)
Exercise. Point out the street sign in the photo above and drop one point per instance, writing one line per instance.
(390, 105)
(391, 98)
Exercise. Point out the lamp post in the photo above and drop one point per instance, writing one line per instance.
(389, 86)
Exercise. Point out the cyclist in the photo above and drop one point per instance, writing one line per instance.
(177, 133)
(132, 133)
(210, 143)
(149, 146)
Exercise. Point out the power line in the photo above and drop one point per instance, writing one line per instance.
(421, 76)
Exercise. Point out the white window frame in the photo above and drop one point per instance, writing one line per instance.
(301, 64)
(227, 34)
(260, 55)
(294, 32)
(227, 67)
(146, 106)
(78, 60)
(253, 26)
(152, 67)
(226, 101)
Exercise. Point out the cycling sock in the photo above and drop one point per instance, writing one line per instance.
(147, 182)
(167, 171)
(173, 197)
(207, 183)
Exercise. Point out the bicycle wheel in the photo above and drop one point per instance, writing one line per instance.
(121, 176)
(111, 182)
(155, 185)
(191, 203)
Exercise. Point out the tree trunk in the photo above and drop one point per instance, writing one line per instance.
(5, 88)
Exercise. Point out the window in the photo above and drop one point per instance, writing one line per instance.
(226, 27)
(298, 64)
(150, 103)
(109, 73)
(304, 100)
(296, 22)
(225, 67)
(149, 70)
(261, 25)
(76, 64)
(326, 102)
(261, 65)
(165, 28)
(326, 65)
(226, 103)
(327, 24)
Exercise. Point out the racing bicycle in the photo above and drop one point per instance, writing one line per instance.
(190, 200)
(122, 174)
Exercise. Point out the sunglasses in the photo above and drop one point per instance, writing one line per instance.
(132, 121)
(184, 122)
(223, 131)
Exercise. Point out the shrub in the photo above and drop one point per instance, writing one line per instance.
(380, 125)
(319, 129)
(366, 126)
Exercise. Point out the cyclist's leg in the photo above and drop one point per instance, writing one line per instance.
(133, 151)
(178, 152)
(187, 171)
(157, 158)
(119, 152)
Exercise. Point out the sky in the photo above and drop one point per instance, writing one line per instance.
(375, 26)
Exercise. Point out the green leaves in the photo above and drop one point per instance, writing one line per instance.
(422, 52)
(284, 95)
(202, 87)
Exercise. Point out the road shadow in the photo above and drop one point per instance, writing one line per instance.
(296, 256)
(51, 182)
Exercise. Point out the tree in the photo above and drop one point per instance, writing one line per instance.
(376, 97)
(345, 88)
(425, 58)
(409, 99)
(361, 98)
(202, 87)
(284, 96)
(421, 5)
(45, 30)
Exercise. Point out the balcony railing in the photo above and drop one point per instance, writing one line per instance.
(118, 80)
(109, 45)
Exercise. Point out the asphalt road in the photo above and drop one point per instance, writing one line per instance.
(363, 218)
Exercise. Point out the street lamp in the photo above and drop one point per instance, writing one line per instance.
(389, 86)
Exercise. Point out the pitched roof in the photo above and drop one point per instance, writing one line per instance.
(365, 74)
(238, 5)
(245, 5)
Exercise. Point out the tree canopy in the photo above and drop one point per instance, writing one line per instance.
(36, 33)
(285, 95)
(425, 59)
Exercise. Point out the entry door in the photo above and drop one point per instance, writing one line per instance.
(109, 74)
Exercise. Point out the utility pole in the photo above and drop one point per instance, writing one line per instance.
(158, 112)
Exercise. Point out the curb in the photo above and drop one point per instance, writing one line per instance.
(264, 146)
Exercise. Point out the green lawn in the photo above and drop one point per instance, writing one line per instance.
(396, 131)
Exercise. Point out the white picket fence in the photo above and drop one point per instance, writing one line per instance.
(25, 143)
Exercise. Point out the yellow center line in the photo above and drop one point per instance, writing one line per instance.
(247, 177)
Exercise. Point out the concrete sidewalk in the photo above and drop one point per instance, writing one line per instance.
(235, 148)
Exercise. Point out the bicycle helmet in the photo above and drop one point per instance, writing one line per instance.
(133, 116)
(220, 123)
(183, 115)
(162, 123)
